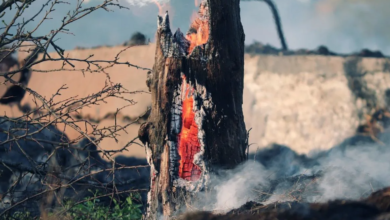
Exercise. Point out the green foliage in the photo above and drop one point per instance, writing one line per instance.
(91, 209)
(22, 215)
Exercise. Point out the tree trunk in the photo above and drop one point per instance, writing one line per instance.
(196, 123)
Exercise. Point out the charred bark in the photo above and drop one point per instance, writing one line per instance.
(196, 122)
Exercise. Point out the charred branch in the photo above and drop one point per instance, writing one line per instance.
(278, 22)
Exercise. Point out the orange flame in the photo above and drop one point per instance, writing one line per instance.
(199, 28)
(188, 138)
(188, 141)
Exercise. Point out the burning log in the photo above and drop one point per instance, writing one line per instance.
(196, 122)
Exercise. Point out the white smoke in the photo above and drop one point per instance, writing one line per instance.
(138, 2)
(145, 2)
(354, 173)
(348, 172)
(236, 187)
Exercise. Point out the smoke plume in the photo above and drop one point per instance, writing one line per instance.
(352, 170)
(233, 190)
(144, 2)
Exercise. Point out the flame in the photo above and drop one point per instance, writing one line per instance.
(196, 3)
(188, 141)
(199, 32)
(188, 138)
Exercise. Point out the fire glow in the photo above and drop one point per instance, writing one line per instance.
(188, 137)
(199, 30)
(188, 141)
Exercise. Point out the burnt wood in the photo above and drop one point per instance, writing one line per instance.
(209, 79)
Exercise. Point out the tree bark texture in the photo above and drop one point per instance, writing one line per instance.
(196, 123)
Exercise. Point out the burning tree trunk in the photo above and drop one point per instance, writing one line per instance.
(196, 122)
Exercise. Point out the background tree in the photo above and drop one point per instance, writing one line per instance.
(278, 22)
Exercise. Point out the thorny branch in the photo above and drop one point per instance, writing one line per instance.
(43, 166)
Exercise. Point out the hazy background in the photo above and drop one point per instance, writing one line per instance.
(342, 25)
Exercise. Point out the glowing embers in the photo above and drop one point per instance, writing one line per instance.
(199, 30)
(188, 137)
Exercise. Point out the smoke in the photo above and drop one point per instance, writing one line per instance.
(351, 170)
(139, 2)
(354, 173)
(233, 190)
(343, 26)
(144, 2)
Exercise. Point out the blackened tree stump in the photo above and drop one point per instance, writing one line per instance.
(196, 123)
